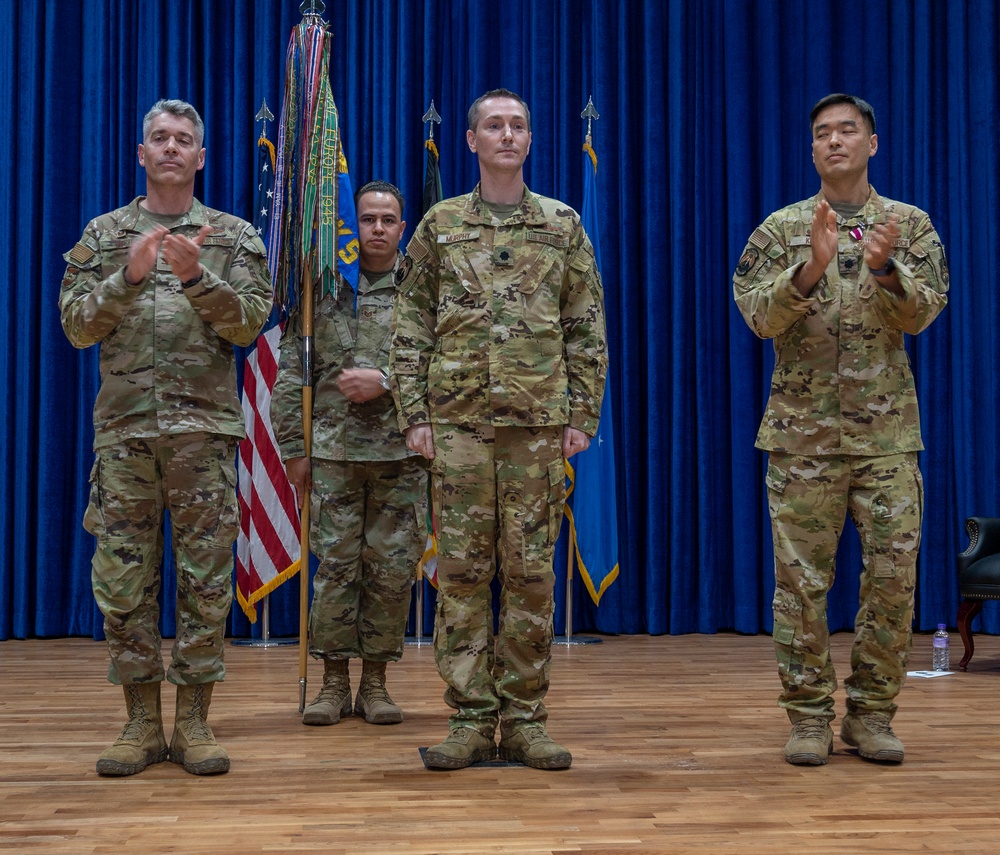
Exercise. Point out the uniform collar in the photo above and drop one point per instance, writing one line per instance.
(528, 212)
(872, 211)
(363, 281)
(196, 216)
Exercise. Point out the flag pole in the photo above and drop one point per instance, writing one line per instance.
(569, 587)
(306, 307)
(431, 196)
(311, 16)
(429, 118)
(589, 113)
(419, 628)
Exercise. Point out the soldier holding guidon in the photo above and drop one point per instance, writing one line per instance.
(369, 492)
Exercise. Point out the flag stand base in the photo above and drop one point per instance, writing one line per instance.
(418, 641)
(265, 639)
(576, 639)
(263, 642)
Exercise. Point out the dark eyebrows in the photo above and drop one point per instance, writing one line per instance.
(513, 117)
(853, 123)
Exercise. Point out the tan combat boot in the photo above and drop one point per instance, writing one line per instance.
(871, 733)
(193, 744)
(811, 741)
(334, 699)
(372, 700)
(141, 742)
(533, 747)
(462, 747)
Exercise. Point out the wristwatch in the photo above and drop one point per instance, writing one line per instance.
(886, 268)
(383, 379)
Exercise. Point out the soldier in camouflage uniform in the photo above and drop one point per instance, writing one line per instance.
(167, 287)
(498, 365)
(369, 492)
(836, 281)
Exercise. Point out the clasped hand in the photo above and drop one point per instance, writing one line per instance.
(179, 251)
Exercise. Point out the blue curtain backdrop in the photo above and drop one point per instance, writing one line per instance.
(703, 132)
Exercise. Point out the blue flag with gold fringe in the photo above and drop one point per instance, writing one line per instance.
(348, 248)
(592, 497)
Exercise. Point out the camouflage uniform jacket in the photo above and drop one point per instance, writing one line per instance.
(500, 323)
(166, 352)
(342, 430)
(842, 382)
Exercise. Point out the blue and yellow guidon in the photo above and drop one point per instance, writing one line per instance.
(347, 225)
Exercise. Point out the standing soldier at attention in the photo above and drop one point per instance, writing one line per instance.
(836, 281)
(498, 366)
(369, 492)
(167, 287)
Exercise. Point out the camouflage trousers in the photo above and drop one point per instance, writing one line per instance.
(193, 476)
(809, 499)
(496, 491)
(369, 531)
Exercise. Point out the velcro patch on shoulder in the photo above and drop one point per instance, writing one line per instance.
(417, 250)
(81, 253)
(403, 270)
(760, 238)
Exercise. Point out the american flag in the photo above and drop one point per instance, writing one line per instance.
(267, 549)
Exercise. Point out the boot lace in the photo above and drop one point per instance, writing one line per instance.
(138, 718)
(333, 690)
(196, 726)
(535, 734)
(878, 723)
(374, 691)
(810, 728)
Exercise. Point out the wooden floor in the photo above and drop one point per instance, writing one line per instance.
(676, 747)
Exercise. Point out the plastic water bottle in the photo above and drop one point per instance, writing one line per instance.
(942, 655)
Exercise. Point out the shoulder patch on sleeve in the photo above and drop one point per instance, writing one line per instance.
(416, 251)
(403, 270)
(747, 261)
(81, 253)
(760, 238)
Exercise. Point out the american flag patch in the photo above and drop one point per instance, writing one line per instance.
(81, 253)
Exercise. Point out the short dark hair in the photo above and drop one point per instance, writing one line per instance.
(859, 104)
(380, 187)
(496, 93)
(175, 107)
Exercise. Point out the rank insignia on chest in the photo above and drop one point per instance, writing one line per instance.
(848, 263)
(503, 256)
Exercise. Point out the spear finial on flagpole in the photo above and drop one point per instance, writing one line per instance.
(313, 9)
(590, 114)
(264, 115)
(430, 117)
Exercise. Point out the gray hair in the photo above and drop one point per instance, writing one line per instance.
(176, 108)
